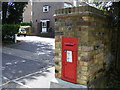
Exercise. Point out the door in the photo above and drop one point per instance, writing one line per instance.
(69, 59)
(44, 25)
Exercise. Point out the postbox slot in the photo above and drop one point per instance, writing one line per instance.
(69, 44)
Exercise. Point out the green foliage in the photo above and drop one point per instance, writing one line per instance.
(51, 30)
(12, 12)
(9, 30)
(104, 6)
(26, 24)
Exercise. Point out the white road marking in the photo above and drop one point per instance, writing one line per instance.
(16, 80)
(24, 54)
(21, 84)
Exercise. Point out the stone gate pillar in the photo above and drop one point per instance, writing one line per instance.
(90, 26)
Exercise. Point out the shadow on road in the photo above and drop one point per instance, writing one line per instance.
(19, 68)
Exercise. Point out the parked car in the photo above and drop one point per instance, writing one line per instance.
(22, 31)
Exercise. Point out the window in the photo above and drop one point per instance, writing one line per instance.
(45, 8)
(44, 24)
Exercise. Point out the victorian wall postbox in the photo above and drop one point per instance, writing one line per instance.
(69, 58)
(84, 52)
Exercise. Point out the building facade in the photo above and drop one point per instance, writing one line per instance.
(27, 15)
(42, 16)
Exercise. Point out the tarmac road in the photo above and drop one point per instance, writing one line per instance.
(30, 55)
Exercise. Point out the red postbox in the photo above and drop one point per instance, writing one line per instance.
(69, 58)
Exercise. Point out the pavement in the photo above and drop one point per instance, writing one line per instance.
(40, 79)
(28, 64)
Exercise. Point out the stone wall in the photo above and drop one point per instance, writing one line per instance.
(91, 27)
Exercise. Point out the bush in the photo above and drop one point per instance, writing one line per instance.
(51, 30)
(26, 24)
(9, 30)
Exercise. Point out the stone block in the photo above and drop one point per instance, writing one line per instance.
(83, 82)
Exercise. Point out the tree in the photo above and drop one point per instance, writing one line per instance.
(12, 12)
(4, 12)
(114, 22)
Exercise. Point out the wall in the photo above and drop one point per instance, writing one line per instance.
(90, 25)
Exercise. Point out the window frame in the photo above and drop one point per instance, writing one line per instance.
(46, 7)
(45, 25)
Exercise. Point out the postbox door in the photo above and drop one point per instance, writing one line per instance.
(69, 60)
(69, 66)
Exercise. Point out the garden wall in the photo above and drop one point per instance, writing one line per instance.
(90, 25)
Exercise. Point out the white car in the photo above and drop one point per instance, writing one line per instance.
(22, 31)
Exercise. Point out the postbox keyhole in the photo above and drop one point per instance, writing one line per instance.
(65, 50)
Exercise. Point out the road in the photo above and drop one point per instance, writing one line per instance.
(31, 55)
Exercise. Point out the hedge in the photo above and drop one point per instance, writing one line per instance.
(26, 24)
(9, 30)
